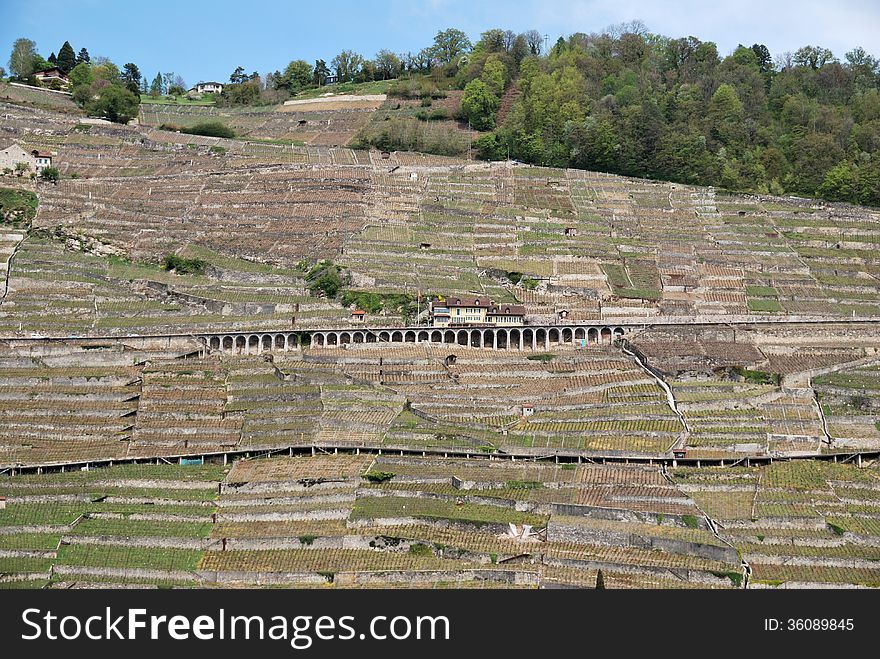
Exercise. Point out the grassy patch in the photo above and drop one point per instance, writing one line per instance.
(764, 304)
(761, 291)
(17, 207)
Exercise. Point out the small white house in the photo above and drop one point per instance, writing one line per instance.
(208, 88)
(42, 159)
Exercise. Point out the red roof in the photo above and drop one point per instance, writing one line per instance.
(475, 301)
(358, 312)
(507, 310)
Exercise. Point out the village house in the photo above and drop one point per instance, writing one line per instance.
(35, 160)
(45, 78)
(208, 88)
(476, 310)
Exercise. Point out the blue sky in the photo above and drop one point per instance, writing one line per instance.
(204, 40)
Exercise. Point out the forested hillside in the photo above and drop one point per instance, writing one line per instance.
(638, 104)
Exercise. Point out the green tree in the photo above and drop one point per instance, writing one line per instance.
(238, 76)
(156, 86)
(66, 58)
(81, 74)
(297, 76)
(840, 183)
(387, 65)
(814, 57)
(115, 103)
(449, 45)
(726, 117)
(347, 65)
(494, 75)
(83, 56)
(320, 73)
(21, 60)
(131, 76)
(479, 105)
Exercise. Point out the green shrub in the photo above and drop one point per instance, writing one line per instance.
(419, 549)
(545, 357)
(757, 377)
(210, 129)
(50, 174)
(690, 521)
(378, 476)
(183, 266)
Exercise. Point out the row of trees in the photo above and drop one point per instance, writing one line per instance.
(446, 53)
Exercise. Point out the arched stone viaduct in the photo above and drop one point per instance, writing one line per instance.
(523, 337)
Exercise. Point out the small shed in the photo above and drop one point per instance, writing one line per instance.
(527, 410)
(358, 315)
(571, 231)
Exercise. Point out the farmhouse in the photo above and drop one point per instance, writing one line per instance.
(14, 154)
(47, 76)
(475, 310)
(208, 88)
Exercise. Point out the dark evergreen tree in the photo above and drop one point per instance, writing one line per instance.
(83, 56)
(131, 76)
(66, 58)
(52, 59)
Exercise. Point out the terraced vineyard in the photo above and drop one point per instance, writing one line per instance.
(352, 521)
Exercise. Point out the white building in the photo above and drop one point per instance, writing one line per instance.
(208, 88)
(14, 154)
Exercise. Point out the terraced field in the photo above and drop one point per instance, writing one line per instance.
(350, 521)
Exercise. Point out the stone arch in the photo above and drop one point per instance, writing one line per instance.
(397, 337)
(462, 338)
(489, 338)
(422, 337)
(475, 339)
(358, 337)
(516, 340)
(344, 338)
(567, 335)
(436, 337)
(280, 342)
(266, 343)
(371, 338)
(449, 337)
(540, 338)
(409, 337)
(240, 343)
(503, 339)
(215, 342)
(318, 340)
(528, 338)
(553, 336)
(303, 340)
(384, 337)
(580, 334)
(605, 335)
(618, 332)
(332, 338)
(593, 335)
